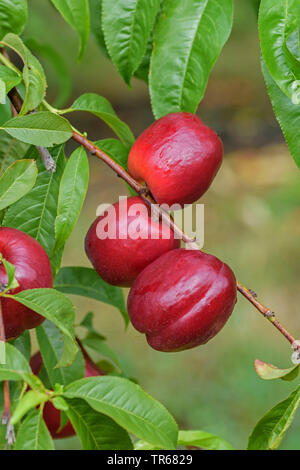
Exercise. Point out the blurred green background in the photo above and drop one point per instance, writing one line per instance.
(251, 221)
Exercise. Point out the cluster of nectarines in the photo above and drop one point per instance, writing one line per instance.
(179, 298)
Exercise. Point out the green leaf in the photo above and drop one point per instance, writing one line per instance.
(293, 43)
(101, 107)
(29, 401)
(17, 180)
(115, 149)
(56, 260)
(142, 71)
(13, 16)
(43, 128)
(12, 283)
(33, 73)
(127, 25)
(95, 430)
(60, 404)
(287, 114)
(188, 40)
(9, 77)
(10, 150)
(270, 430)
(35, 213)
(87, 283)
(128, 405)
(23, 344)
(96, 24)
(33, 434)
(62, 73)
(57, 308)
(72, 191)
(77, 14)
(16, 367)
(269, 372)
(202, 439)
(51, 344)
(5, 114)
(93, 341)
(277, 21)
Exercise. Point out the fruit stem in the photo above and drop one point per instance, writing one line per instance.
(145, 194)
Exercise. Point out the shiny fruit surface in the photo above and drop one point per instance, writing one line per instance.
(178, 157)
(182, 299)
(32, 270)
(137, 240)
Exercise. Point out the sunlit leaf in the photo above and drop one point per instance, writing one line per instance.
(13, 16)
(269, 372)
(95, 430)
(127, 26)
(56, 307)
(17, 180)
(72, 191)
(271, 429)
(128, 405)
(277, 21)
(188, 39)
(43, 128)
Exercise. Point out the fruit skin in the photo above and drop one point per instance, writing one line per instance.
(32, 270)
(51, 414)
(182, 299)
(119, 261)
(178, 157)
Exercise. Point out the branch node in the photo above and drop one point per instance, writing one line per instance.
(270, 314)
(252, 292)
(144, 191)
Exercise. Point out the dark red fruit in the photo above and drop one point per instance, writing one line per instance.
(178, 157)
(32, 270)
(119, 261)
(182, 299)
(51, 415)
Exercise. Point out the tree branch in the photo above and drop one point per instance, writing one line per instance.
(145, 194)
